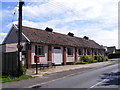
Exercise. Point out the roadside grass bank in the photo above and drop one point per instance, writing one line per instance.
(9, 78)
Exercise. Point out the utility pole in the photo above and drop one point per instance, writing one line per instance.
(20, 38)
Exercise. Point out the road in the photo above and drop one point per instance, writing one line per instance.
(106, 77)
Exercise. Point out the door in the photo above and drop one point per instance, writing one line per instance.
(57, 55)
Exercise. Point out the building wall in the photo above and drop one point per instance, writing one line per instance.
(13, 47)
(43, 59)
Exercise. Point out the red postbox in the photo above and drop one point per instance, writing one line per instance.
(36, 59)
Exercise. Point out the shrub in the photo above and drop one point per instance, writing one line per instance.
(88, 59)
(100, 59)
(94, 61)
(114, 55)
(105, 59)
(91, 59)
(95, 58)
(23, 69)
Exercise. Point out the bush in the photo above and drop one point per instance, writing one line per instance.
(105, 59)
(88, 59)
(94, 61)
(95, 58)
(114, 55)
(100, 58)
(23, 69)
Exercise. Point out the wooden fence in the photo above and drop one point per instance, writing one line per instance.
(9, 63)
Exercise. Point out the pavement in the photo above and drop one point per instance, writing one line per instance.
(56, 73)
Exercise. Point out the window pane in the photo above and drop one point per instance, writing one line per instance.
(80, 51)
(95, 52)
(70, 51)
(88, 52)
(39, 50)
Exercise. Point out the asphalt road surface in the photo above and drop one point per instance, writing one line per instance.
(106, 77)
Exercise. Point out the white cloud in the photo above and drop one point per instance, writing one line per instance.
(80, 8)
(40, 25)
(2, 36)
(107, 38)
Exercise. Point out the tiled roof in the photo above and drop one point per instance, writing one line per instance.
(41, 36)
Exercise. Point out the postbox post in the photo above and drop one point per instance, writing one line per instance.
(36, 68)
(36, 59)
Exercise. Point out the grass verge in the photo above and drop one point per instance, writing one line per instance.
(9, 78)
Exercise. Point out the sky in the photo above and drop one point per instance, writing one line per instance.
(97, 19)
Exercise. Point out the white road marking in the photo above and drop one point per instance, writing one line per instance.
(101, 81)
(97, 84)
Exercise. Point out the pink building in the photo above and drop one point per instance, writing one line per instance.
(55, 47)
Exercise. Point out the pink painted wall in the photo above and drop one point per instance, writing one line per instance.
(44, 59)
(13, 47)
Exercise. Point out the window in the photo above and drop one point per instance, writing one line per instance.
(80, 51)
(69, 51)
(88, 52)
(95, 52)
(39, 50)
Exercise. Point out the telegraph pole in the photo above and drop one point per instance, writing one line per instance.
(20, 38)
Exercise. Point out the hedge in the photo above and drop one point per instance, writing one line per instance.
(114, 55)
(93, 59)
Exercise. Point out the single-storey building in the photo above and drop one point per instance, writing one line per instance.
(54, 47)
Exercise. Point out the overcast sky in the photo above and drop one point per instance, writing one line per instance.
(97, 19)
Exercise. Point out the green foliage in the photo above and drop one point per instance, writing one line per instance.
(93, 59)
(88, 59)
(73, 63)
(100, 58)
(114, 55)
(23, 69)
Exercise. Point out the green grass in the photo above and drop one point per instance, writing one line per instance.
(9, 78)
